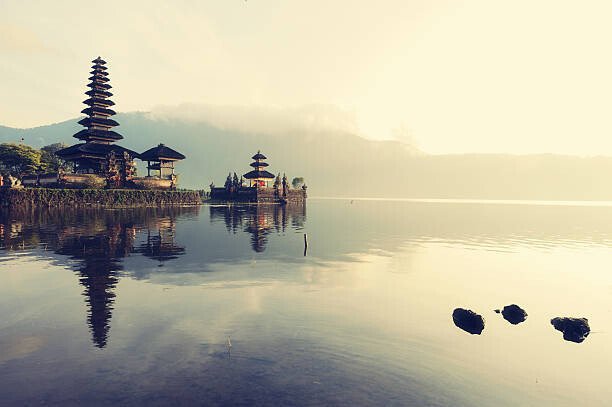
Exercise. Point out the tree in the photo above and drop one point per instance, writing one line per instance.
(228, 181)
(19, 159)
(49, 160)
(297, 182)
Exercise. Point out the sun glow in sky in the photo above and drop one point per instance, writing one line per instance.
(453, 76)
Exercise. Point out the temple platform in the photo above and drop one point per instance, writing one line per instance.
(257, 195)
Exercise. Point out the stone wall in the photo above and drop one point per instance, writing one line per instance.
(152, 183)
(51, 197)
(257, 195)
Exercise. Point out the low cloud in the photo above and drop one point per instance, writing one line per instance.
(263, 120)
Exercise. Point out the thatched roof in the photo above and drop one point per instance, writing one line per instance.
(259, 156)
(98, 79)
(259, 164)
(95, 149)
(98, 93)
(89, 121)
(86, 134)
(100, 101)
(259, 174)
(96, 83)
(98, 110)
(161, 152)
(99, 61)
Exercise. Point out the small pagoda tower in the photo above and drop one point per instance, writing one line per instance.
(259, 177)
(92, 156)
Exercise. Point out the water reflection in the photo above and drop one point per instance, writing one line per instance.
(259, 220)
(98, 249)
(160, 243)
(374, 294)
(96, 242)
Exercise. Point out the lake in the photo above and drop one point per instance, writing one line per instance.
(224, 305)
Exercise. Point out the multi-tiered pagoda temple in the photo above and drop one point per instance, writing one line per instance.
(259, 189)
(98, 161)
(92, 156)
(259, 177)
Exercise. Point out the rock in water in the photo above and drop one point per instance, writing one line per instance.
(514, 314)
(574, 329)
(468, 320)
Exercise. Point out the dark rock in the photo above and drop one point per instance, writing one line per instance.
(468, 320)
(497, 311)
(514, 314)
(574, 329)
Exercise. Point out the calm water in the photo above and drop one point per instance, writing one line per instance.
(118, 307)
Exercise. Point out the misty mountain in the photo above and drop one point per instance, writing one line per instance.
(339, 163)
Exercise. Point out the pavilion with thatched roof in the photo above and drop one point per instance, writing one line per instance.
(161, 158)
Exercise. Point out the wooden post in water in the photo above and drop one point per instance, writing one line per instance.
(305, 244)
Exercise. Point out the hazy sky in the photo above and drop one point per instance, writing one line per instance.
(456, 76)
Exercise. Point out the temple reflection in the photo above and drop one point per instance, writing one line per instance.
(259, 220)
(160, 243)
(96, 241)
(98, 248)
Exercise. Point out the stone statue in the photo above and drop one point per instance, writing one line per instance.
(14, 182)
(129, 169)
(113, 175)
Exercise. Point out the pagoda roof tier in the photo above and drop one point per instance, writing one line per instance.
(92, 121)
(99, 60)
(259, 174)
(94, 149)
(259, 156)
(98, 84)
(87, 134)
(99, 79)
(98, 93)
(99, 67)
(259, 164)
(94, 72)
(94, 100)
(161, 152)
(90, 111)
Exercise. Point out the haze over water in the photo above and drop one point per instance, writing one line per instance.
(135, 306)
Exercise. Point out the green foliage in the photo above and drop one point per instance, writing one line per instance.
(19, 159)
(50, 161)
(297, 182)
